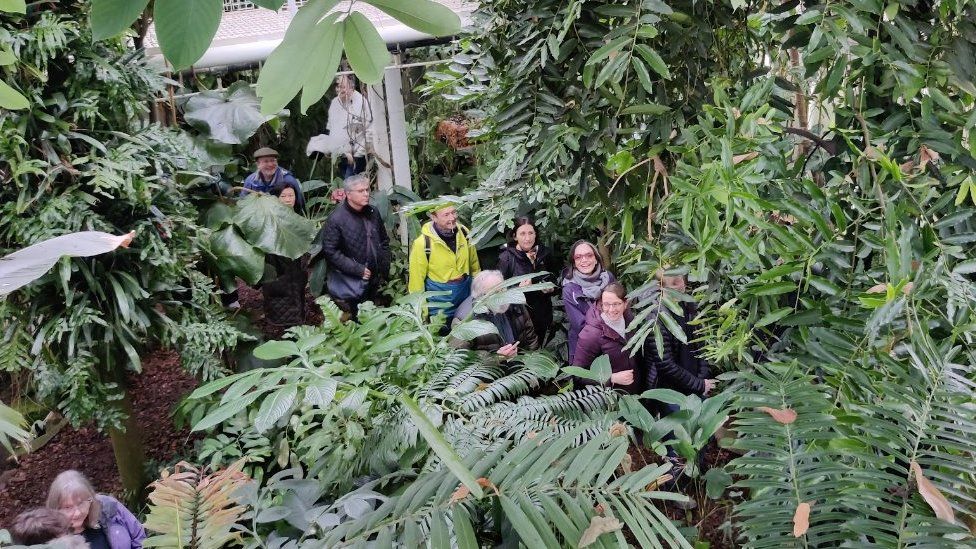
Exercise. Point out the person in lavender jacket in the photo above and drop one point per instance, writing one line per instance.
(583, 280)
(102, 520)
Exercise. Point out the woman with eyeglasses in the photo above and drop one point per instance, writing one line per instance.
(583, 280)
(607, 332)
(102, 520)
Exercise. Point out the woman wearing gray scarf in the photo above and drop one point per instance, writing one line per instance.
(583, 280)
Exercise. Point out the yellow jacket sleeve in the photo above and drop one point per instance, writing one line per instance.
(418, 266)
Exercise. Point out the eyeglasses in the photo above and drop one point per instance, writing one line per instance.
(80, 506)
(585, 256)
(619, 305)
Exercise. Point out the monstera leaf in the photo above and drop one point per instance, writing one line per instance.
(230, 117)
(272, 227)
(236, 257)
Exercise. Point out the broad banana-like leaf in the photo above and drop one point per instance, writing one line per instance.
(27, 265)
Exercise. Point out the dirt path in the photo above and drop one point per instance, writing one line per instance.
(155, 392)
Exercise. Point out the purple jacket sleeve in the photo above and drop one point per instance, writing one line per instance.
(576, 314)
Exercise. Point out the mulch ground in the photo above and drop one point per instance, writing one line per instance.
(155, 392)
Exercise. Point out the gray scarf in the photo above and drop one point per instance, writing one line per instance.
(591, 284)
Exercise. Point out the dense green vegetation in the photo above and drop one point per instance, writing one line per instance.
(807, 164)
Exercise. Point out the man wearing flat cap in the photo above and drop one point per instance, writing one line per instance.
(269, 174)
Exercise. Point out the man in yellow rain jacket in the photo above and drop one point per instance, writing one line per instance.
(443, 260)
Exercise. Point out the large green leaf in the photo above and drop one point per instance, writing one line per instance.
(273, 227)
(327, 51)
(237, 257)
(440, 446)
(424, 15)
(110, 17)
(230, 117)
(281, 77)
(13, 6)
(269, 4)
(11, 427)
(11, 99)
(185, 28)
(7, 58)
(365, 49)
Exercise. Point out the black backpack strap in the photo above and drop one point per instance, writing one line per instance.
(427, 247)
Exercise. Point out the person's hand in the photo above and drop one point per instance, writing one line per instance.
(508, 351)
(524, 283)
(710, 385)
(367, 273)
(338, 195)
(622, 378)
(350, 158)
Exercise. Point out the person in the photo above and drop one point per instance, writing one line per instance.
(102, 520)
(607, 332)
(356, 248)
(349, 130)
(680, 366)
(523, 255)
(44, 526)
(284, 293)
(269, 174)
(513, 322)
(442, 260)
(583, 280)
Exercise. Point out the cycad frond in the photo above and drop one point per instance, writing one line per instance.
(547, 488)
(194, 508)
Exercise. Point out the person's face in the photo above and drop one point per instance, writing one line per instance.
(676, 283)
(287, 197)
(76, 511)
(584, 259)
(344, 89)
(612, 306)
(267, 165)
(525, 237)
(358, 196)
(445, 218)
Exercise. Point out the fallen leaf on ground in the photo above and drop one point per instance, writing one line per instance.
(598, 526)
(801, 519)
(784, 416)
(931, 494)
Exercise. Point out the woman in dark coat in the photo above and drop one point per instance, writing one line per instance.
(607, 332)
(523, 255)
(583, 280)
(681, 366)
(284, 293)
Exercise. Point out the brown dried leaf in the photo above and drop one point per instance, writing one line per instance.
(907, 167)
(662, 480)
(482, 386)
(618, 430)
(598, 509)
(531, 435)
(801, 519)
(931, 494)
(461, 493)
(740, 158)
(926, 155)
(878, 289)
(907, 288)
(599, 526)
(784, 416)
(627, 463)
(483, 482)
(659, 168)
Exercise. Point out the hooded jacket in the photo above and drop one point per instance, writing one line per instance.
(122, 528)
(444, 264)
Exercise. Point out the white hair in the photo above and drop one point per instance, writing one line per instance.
(484, 281)
(354, 180)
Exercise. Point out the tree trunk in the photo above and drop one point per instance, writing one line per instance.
(130, 457)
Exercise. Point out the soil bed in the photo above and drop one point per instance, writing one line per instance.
(155, 393)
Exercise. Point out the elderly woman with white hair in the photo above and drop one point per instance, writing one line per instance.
(102, 520)
(512, 321)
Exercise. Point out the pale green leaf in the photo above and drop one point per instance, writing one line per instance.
(110, 17)
(186, 28)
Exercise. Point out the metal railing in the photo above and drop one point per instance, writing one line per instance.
(236, 5)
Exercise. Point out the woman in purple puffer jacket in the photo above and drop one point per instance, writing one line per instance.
(583, 280)
(102, 520)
